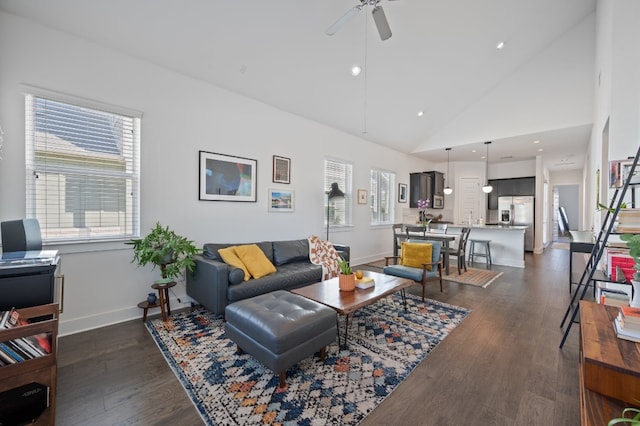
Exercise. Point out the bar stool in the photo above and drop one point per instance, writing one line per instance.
(486, 254)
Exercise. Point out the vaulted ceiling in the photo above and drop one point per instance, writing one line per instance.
(441, 59)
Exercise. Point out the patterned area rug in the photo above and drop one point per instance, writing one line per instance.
(385, 345)
(473, 276)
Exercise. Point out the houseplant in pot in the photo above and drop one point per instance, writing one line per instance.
(633, 242)
(346, 277)
(165, 249)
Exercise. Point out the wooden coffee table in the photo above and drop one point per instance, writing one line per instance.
(347, 302)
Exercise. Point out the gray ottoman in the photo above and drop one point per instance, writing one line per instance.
(280, 328)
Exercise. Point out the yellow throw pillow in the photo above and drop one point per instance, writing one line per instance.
(231, 258)
(255, 260)
(415, 254)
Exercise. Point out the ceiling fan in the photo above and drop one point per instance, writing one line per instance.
(378, 17)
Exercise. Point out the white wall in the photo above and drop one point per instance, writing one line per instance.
(570, 178)
(514, 169)
(568, 198)
(181, 117)
(553, 90)
(617, 96)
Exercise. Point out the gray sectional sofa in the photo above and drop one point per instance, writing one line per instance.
(214, 284)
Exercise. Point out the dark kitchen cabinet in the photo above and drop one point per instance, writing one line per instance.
(507, 187)
(492, 199)
(527, 186)
(437, 182)
(419, 188)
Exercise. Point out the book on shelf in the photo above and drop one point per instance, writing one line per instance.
(612, 297)
(22, 348)
(625, 333)
(4, 347)
(630, 314)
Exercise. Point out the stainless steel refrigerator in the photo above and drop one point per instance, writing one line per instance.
(518, 211)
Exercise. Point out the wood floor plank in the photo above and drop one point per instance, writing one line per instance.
(501, 366)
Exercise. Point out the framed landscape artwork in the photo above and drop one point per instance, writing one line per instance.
(281, 200)
(227, 178)
(402, 192)
(281, 169)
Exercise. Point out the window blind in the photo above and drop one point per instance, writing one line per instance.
(83, 170)
(381, 204)
(339, 210)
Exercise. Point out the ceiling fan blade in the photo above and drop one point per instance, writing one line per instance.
(381, 22)
(343, 19)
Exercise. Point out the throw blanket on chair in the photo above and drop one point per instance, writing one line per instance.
(323, 253)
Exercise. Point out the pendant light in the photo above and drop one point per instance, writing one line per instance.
(447, 189)
(487, 188)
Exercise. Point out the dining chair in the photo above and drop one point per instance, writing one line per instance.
(460, 250)
(399, 235)
(438, 228)
(415, 230)
(421, 261)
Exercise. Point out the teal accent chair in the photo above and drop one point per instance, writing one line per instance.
(419, 275)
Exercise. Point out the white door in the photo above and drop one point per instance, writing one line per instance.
(471, 200)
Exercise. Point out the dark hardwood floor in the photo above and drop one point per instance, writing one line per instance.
(501, 366)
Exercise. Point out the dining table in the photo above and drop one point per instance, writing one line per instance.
(444, 238)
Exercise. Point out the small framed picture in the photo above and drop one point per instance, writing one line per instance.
(281, 169)
(281, 200)
(362, 196)
(402, 192)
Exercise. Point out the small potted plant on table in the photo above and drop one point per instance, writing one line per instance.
(346, 277)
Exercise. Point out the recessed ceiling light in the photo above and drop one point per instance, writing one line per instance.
(473, 150)
(355, 71)
(420, 113)
(539, 149)
(500, 45)
(536, 141)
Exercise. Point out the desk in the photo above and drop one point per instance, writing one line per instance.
(609, 368)
(445, 239)
(581, 242)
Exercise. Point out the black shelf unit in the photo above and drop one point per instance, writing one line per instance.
(591, 274)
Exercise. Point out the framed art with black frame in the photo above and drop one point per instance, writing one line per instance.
(227, 178)
(402, 192)
(281, 169)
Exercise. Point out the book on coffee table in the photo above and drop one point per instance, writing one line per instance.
(365, 282)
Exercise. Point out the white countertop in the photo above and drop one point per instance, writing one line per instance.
(496, 227)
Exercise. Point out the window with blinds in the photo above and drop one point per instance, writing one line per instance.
(82, 169)
(336, 171)
(382, 196)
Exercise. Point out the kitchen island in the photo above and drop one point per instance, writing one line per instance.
(507, 242)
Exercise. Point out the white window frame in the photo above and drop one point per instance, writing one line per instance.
(340, 172)
(48, 172)
(382, 196)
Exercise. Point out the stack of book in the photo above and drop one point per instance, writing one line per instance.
(627, 323)
(21, 349)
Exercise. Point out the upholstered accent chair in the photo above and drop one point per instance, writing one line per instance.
(420, 261)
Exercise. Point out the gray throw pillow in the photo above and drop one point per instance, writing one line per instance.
(236, 276)
(290, 251)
